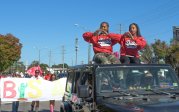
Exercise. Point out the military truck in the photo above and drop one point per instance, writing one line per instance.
(121, 88)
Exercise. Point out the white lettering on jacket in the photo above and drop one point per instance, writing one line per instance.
(131, 44)
(104, 42)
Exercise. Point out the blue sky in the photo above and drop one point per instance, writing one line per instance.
(50, 24)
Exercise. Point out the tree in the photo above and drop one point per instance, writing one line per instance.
(44, 67)
(147, 54)
(10, 51)
(160, 49)
(173, 55)
(168, 53)
(34, 63)
(16, 67)
(60, 66)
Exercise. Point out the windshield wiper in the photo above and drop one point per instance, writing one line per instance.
(122, 94)
(160, 92)
(173, 90)
(125, 93)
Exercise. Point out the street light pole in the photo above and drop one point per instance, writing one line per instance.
(89, 44)
(39, 56)
(63, 52)
(50, 52)
(39, 53)
(89, 53)
(76, 49)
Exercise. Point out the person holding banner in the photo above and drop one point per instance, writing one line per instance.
(36, 103)
(15, 104)
(47, 76)
(52, 102)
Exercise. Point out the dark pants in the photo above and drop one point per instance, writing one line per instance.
(15, 106)
(128, 60)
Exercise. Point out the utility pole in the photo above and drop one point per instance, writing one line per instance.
(39, 53)
(72, 62)
(120, 29)
(50, 53)
(82, 62)
(76, 50)
(89, 53)
(63, 53)
(89, 44)
(39, 56)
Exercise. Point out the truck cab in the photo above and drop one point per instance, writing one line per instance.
(121, 88)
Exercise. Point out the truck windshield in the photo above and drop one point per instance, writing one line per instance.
(110, 78)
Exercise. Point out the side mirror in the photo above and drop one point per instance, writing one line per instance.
(83, 91)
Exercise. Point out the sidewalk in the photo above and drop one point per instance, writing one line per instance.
(26, 106)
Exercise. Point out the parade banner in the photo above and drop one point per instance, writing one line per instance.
(26, 89)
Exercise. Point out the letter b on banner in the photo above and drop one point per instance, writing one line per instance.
(9, 89)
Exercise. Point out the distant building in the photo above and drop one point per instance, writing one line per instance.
(176, 34)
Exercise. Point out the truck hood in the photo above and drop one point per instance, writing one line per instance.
(149, 103)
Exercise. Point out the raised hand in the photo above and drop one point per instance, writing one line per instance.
(104, 32)
(100, 31)
(128, 34)
(97, 32)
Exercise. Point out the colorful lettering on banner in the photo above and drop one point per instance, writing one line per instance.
(21, 90)
(26, 89)
(32, 84)
(9, 87)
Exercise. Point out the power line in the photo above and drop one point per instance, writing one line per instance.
(161, 15)
(145, 15)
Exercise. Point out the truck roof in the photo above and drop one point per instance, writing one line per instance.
(86, 66)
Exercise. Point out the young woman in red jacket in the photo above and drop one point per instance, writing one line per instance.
(102, 44)
(131, 42)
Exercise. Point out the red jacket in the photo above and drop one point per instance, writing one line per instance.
(47, 76)
(101, 43)
(128, 46)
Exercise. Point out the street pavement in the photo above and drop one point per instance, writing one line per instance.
(26, 106)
